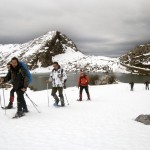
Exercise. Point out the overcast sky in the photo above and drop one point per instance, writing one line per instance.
(101, 27)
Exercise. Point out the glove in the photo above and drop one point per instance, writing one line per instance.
(65, 80)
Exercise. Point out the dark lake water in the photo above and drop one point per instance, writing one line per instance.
(40, 78)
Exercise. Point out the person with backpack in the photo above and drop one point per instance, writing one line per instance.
(58, 78)
(20, 81)
(83, 83)
(11, 99)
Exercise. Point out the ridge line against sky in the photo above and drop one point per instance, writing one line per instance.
(101, 27)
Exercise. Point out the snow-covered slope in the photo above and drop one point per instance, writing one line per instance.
(104, 123)
(54, 46)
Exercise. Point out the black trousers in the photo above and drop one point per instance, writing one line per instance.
(86, 90)
(21, 103)
(147, 87)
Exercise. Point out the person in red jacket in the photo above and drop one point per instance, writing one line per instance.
(83, 84)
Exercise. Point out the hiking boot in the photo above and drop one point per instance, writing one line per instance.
(55, 104)
(79, 99)
(62, 101)
(25, 110)
(19, 114)
(62, 104)
(10, 106)
(56, 100)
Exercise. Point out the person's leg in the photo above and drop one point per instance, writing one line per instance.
(20, 99)
(12, 95)
(131, 87)
(60, 90)
(54, 90)
(11, 99)
(87, 92)
(80, 93)
(24, 105)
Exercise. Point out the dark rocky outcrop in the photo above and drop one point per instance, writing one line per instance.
(143, 119)
(57, 45)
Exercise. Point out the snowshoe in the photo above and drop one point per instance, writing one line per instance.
(19, 114)
(56, 105)
(10, 106)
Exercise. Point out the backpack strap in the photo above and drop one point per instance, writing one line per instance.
(20, 71)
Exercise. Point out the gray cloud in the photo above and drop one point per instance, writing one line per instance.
(101, 27)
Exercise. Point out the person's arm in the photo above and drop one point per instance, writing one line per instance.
(64, 76)
(26, 78)
(7, 77)
(50, 76)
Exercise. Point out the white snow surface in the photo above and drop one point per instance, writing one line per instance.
(104, 123)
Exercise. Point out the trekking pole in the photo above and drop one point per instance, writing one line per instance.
(35, 106)
(47, 95)
(4, 97)
(66, 97)
(30, 99)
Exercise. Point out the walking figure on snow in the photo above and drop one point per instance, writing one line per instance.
(146, 85)
(12, 91)
(83, 83)
(132, 85)
(20, 81)
(58, 78)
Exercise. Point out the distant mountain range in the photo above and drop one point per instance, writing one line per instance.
(55, 46)
(137, 60)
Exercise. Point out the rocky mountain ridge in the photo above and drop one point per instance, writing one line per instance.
(38, 52)
(54, 46)
(138, 59)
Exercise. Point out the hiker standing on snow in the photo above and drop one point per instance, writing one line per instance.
(132, 85)
(146, 85)
(20, 82)
(58, 78)
(11, 99)
(83, 84)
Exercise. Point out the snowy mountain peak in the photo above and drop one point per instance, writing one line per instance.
(37, 52)
(55, 46)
